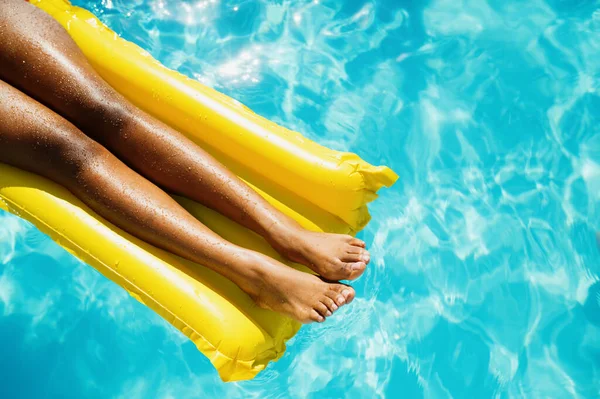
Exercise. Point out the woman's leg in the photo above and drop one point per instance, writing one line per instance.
(39, 57)
(36, 139)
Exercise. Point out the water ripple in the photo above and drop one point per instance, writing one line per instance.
(485, 273)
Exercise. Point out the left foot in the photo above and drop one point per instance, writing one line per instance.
(333, 256)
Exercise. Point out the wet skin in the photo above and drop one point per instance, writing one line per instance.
(61, 120)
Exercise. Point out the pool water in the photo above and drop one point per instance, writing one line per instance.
(485, 274)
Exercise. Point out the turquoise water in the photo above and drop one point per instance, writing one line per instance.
(485, 274)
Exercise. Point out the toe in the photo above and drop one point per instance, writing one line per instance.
(347, 238)
(362, 256)
(365, 256)
(315, 316)
(344, 291)
(323, 309)
(358, 242)
(331, 306)
(353, 249)
(355, 269)
(344, 270)
(340, 300)
(333, 296)
(356, 254)
(349, 293)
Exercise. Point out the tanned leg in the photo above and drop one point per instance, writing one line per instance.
(34, 138)
(39, 57)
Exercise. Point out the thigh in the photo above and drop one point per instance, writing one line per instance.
(34, 138)
(38, 57)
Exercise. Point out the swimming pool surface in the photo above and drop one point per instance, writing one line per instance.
(484, 279)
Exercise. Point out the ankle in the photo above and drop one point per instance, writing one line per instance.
(253, 272)
(284, 237)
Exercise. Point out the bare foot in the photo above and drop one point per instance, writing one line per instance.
(300, 295)
(332, 256)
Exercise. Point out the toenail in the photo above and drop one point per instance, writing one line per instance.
(346, 293)
(334, 306)
(341, 300)
(357, 266)
(365, 257)
(328, 313)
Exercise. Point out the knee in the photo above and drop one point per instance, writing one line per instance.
(73, 151)
(102, 114)
(108, 110)
(58, 151)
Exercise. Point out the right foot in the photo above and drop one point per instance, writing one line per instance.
(332, 256)
(302, 296)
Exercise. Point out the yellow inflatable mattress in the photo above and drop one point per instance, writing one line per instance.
(324, 190)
